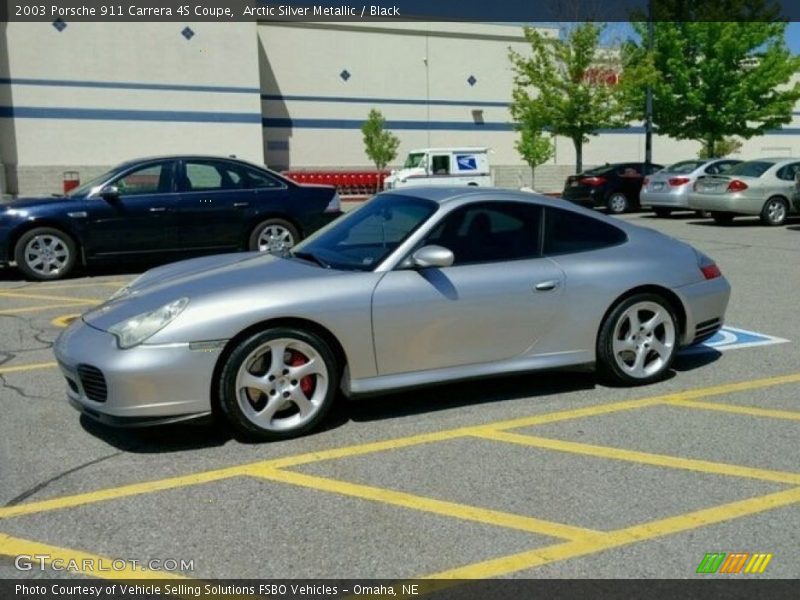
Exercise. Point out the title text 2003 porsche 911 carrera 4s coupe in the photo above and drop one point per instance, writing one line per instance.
(412, 288)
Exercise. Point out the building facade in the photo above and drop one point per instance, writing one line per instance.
(80, 97)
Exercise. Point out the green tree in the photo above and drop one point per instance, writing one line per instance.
(532, 145)
(562, 84)
(379, 145)
(723, 147)
(713, 78)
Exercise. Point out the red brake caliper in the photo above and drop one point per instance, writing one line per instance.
(307, 382)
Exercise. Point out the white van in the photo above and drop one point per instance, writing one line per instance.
(442, 166)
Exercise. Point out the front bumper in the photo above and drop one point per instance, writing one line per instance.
(144, 385)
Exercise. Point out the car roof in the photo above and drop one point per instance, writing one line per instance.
(143, 159)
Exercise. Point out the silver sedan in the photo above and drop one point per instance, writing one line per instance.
(762, 187)
(669, 188)
(412, 288)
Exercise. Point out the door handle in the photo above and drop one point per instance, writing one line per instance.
(158, 209)
(546, 286)
(240, 204)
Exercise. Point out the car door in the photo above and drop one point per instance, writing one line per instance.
(141, 218)
(214, 206)
(630, 178)
(492, 304)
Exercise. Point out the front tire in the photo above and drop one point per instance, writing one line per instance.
(637, 341)
(278, 384)
(45, 254)
(775, 211)
(618, 203)
(273, 235)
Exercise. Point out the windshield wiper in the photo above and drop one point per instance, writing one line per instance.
(311, 257)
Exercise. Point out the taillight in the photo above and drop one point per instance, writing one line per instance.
(592, 181)
(678, 181)
(711, 271)
(707, 266)
(737, 186)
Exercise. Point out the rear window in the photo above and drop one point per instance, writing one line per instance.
(754, 168)
(567, 232)
(684, 167)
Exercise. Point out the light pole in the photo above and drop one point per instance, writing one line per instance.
(648, 107)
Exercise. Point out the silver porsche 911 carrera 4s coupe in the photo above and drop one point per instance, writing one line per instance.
(412, 288)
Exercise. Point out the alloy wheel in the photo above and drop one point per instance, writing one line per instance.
(275, 238)
(643, 339)
(47, 255)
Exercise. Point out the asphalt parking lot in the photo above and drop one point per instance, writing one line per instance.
(537, 476)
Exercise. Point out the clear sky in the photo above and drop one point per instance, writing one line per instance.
(793, 37)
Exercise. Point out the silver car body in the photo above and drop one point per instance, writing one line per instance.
(397, 327)
(711, 193)
(670, 187)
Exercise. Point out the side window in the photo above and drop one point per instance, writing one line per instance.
(720, 167)
(567, 232)
(490, 232)
(152, 179)
(202, 176)
(259, 179)
(440, 165)
(787, 173)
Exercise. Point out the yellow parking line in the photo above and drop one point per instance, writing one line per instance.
(50, 297)
(28, 367)
(64, 320)
(752, 411)
(118, 492)
(430, 505)
(504, 565)
(30, 309)
(380, 446)
(65, 557)
(658, 460)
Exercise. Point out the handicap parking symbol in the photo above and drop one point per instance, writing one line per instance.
(733, 338)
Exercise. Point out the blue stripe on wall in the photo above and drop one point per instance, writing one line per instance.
(125, 85)
(357, 123)
(353, 100)
(107, 114)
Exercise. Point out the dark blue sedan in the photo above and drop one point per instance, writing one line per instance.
(161, 208)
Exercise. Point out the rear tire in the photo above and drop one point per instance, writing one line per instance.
(618, 203)
(722, 218)
(45, 254)
(637, 341)
(775, 211)
(662, 213)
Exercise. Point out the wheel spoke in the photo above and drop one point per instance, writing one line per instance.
(248, 380)
(302, 403)
(638, 365)
(310, 368)
(633, 319)
(274, 403)
(626, 345)
(654, 321)
(278, 362)
(659, 348)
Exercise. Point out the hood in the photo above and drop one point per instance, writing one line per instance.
(34, 201)
(210, 279)
(403, 173)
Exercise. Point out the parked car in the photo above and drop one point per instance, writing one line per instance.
(442, 166)
(415, 287)
(668, 189)
(615, 186)
(762, 187)
(162, 207)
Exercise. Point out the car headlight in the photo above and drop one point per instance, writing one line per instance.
(137, 329)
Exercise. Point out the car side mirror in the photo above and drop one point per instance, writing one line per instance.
(432, 256)
(109, 193)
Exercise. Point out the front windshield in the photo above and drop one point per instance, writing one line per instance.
(362, 239)
(684, 167)
(87, 187)
(414, 160)
(754, 168)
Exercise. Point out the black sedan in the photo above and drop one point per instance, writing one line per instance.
(615, 186)
(165, 207)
